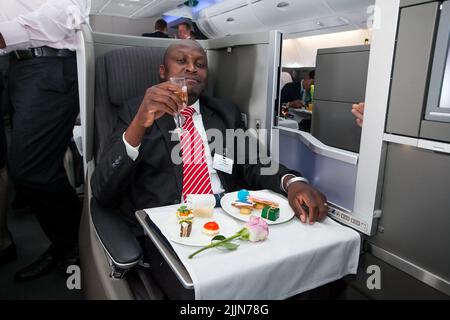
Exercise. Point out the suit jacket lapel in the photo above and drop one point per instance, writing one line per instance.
(212, 121)
(165, 124)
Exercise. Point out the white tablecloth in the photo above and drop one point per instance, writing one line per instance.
(295, 258)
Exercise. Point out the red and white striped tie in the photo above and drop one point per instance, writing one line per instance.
(196, 178)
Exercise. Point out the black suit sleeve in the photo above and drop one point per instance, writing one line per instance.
(290, 92)
(253, 175)
(115, 170)
(285, 96)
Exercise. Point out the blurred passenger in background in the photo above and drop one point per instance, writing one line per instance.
(160, 30)
(285, 78)
(298, 93)
(185, 31)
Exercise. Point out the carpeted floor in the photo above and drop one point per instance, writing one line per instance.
(31, 242)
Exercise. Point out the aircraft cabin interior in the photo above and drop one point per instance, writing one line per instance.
(350, 97)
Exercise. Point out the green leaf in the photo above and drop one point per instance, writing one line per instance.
(229, 245)
(182, 208)
(218, 238)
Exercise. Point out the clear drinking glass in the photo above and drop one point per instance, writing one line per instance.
(183, 95)
(284, 110)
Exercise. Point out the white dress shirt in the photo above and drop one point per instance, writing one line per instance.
(133, 152)
(302, 92)
(35, 23)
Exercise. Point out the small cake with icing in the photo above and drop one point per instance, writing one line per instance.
(184, 213)
(243, 195)
(211, 228)
(185, 227)
(270, 213)
(244, 207)
(261, 202)
(242, 203)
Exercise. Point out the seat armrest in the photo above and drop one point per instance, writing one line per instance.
(115, 235)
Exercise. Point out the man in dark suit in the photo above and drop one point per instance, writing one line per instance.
(297, 94)
(137, 169)
(160, 30)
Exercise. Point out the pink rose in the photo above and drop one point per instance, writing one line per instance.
(256, 230)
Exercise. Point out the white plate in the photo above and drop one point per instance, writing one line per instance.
(286, 212)
(296, 110)
(171, 229)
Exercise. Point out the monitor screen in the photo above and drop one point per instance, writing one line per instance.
(438, 102)
(445, 90)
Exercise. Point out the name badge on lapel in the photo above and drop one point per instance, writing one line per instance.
(222, 163)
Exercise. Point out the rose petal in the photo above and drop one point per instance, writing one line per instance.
(257, 228)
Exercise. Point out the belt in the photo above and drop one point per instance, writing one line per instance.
(41, 52)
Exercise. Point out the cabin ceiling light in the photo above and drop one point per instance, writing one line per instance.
(124, 5)
(320, 24)
(282, 4)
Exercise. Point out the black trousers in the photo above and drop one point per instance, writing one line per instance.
(3, 69)
(44, 99)
(2, 130)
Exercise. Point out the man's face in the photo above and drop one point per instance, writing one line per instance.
(307, 82)
(187, 61)
(183, 33)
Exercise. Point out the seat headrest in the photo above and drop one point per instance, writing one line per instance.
(130, 71)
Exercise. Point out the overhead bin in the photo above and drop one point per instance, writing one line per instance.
(133, 9)
(237, 21)
(281, 13)
(289, 16)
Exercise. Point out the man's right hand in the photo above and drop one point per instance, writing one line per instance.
(358, 112)
(2, 42)
(158, 100)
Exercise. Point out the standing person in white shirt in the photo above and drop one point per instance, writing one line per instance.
(39, 36)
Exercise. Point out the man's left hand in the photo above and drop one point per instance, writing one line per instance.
(297, 104)
(307, 202)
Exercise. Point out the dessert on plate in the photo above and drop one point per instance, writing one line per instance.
(261, 202)
(185, 217)
(185, 227)
(247, 202)
(183, 212)
(244, 207)
(211, 228)
(242, 203)
(270, 213)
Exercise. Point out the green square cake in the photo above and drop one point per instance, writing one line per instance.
(270, 213)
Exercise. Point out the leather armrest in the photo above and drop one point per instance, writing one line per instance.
(115, 235)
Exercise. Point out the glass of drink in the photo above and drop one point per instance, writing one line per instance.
(183, 95)
(284, 110)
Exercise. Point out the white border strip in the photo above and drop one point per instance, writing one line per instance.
(319, 148)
